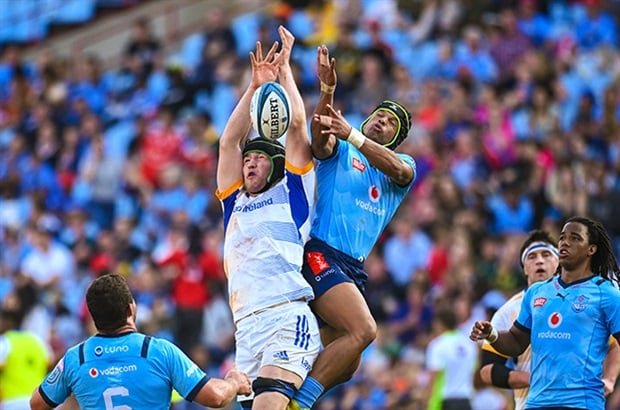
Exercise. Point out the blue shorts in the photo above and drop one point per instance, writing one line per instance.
(325, 267)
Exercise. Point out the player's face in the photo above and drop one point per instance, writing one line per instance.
(381, 127)
(256, 169)
(539, 265)
(573, 245)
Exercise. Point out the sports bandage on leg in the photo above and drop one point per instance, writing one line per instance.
(267, 384)
(356, 138)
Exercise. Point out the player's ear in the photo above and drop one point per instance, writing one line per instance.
(592, 250)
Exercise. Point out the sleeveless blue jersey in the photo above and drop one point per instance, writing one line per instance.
(123, 372)
(355, 201)
(570, 326)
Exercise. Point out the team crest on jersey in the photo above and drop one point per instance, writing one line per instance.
(55, 374)
(359, 165)
(374, 193)
(539, 302)
(554, 320)
(580, 303)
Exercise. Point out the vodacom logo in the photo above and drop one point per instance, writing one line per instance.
(554, 320)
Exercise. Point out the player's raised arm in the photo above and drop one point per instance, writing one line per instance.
(298, 151)
(229, 168)
(323, 143)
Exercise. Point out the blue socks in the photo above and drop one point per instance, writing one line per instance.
(309, 393)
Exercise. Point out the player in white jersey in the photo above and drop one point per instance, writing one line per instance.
(539, 260)
(451, 360)
(267, 194)
(361, 182)
(568, 320)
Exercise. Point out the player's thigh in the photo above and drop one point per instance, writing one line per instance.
(344, 309)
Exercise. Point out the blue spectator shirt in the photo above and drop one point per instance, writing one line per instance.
(127, 371)
(355, 201)
(570, 327)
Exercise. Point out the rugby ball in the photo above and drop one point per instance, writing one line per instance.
(270, 110)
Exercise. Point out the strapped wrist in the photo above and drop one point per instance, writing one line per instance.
(327, 89)
(492, 338)
(356, 138)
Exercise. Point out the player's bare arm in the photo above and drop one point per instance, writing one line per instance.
(323, 143)
(511, 342)
(229, 169)
(298, 151)
(384, 159)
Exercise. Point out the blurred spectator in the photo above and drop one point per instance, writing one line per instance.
(143, 44)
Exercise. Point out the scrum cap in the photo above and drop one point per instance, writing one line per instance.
(272, 149)
(404, 121)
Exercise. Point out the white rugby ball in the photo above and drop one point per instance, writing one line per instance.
(270, 110)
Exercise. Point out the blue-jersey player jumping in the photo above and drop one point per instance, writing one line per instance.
(120, 368)
(361, 183)
(568, 320)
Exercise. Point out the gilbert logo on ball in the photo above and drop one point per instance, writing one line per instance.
(270, 110)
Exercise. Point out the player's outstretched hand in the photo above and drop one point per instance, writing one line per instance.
(326, 67)
(333, 123)
(241, 379)
(481, 330)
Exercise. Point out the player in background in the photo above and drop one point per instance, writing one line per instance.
(361, 183)
(451, 360)
(120, 368)
(539, 260)
(568, 320)
(267, 194)
(24, 362)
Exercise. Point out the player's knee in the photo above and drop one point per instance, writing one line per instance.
(266, 384)
(365, 332)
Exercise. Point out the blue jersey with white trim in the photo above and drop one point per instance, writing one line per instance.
(570, 326)
(355, 201)
(128, 371)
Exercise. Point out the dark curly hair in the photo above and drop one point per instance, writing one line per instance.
(108, 299)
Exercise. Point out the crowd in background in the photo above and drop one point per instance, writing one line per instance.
(516, 113)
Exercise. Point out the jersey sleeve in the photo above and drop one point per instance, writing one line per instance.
(434, 358)
(187, 378)
(611, 307)
(524, 320)
(411, 162)
(55, 387)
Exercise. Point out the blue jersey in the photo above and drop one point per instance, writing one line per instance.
(128, 371)
(570, 326)
(355, 201)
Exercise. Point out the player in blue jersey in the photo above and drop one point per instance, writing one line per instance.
(267, 195)
(568, 320)
(120, 368)
(539, 260)
(361, 183)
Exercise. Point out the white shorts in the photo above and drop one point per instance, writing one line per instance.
(286, 336)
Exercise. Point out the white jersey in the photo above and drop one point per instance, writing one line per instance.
(503, 320)
(263, 245)
(456, 357)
